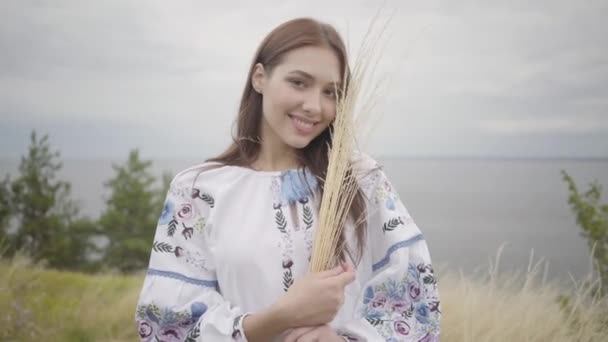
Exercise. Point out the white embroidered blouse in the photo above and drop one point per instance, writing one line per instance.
(231, 240)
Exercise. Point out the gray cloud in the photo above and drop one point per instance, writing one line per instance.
(468, 78)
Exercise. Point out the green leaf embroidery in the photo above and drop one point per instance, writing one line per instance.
(162, 247)
(429, 279)
(409, 312)
(187, 231)
(172, 227)
(375, 321)
(391, 224)
(308, 219)
(205, 197)
(280, 220)
(194, 333)
(287, 279)
(208, 199)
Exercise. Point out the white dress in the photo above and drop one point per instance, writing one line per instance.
(231, 240)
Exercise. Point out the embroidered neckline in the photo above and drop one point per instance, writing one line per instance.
(262, 173)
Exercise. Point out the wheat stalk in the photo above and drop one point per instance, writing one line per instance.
(340, 185)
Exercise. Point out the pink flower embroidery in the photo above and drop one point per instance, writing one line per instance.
(379, 301)
(145, 330)
(413, 289)
(400, 306)
(401, 328)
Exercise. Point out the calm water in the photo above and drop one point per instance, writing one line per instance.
(465, 208)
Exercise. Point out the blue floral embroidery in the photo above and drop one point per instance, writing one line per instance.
(297, 185)
(167, 214)
(289, 188)
(390, 203)
(422, 313)
(405, 308)
(383, 192)
(198, 309)
(164, 324)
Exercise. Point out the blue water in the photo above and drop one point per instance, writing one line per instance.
(465, 208)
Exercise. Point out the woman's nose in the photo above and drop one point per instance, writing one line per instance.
(312, 102)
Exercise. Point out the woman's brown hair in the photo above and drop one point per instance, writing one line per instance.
(245, 148)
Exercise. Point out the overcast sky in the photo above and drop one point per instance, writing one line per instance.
(468, 78)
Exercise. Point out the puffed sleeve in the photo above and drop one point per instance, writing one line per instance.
(180, 299)
(400, 301)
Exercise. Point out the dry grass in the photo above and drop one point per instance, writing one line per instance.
(38, 304)
(518, 307)
(355, 102)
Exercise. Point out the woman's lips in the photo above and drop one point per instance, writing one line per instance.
(302, 125)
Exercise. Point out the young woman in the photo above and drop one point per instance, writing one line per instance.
(230, 258)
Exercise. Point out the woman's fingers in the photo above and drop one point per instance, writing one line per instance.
(296, 333)
(331, 272)
(345, 278)
(347, 267)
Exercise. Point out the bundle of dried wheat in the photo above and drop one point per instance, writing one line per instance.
(354, 104)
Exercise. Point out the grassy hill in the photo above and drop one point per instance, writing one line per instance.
(39, 304)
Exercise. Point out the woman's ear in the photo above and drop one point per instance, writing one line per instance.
(258, 78)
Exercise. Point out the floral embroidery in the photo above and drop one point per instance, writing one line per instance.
(286, 245)
(275, 187)
(194, 333)
(184, 213)
(408, 307)
(307, 216)
(290, 188)
(182, 216)
(163, 324)
(167, 213)
(280, 220)
(308, 239)
(378, 188)
(393, 223)
(236, 333)
(237, 328)
(368, 178)
(396, 222)
(196, 193)
(296, 185)
(384, 194)
(195, 258)
(201, 224)
(348, 336)
(308, 220)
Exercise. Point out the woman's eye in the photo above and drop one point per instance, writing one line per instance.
(330, 93)
(297, 83)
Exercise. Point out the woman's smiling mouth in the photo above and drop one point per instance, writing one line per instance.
(302, 125)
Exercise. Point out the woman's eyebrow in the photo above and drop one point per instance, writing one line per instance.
(311, 77)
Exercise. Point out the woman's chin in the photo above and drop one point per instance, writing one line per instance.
(298, 143)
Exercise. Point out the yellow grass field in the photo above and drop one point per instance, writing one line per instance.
(46, 305)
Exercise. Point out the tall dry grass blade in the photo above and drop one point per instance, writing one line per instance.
(340, 185)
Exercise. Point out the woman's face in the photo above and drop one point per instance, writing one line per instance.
(299, 96)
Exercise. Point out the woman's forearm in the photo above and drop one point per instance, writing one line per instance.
(265, 325)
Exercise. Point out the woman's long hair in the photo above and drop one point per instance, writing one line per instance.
(245, 148)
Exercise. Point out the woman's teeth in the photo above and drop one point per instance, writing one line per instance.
(301, 124)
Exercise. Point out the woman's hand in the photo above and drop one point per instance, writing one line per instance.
(315, 298)
(321, 333)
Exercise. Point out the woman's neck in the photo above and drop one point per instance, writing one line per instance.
(272, 158)
(275, 155)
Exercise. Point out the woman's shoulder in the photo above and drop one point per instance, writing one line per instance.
(197, 173)
(368, 172)
(363, 164)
